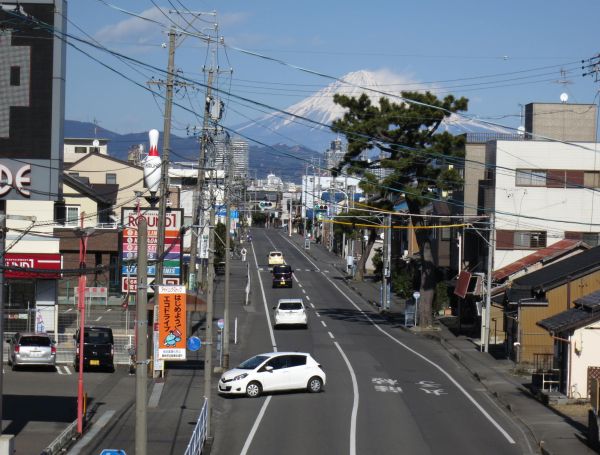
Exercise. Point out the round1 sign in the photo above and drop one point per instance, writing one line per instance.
(221, 324)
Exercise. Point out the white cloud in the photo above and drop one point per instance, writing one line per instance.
(135, 30)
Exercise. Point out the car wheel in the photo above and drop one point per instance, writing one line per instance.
(253, 389)
(315, 384)
(14, 366)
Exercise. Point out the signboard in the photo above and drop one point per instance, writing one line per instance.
(45, 262)
(171, 323)
(32, 77)
(204, 246)
(172, 263)
(159, 365)
(130, 284)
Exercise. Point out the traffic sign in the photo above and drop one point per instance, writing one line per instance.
(113, 452)
(221, 324)
(416, 295)
(193, 343)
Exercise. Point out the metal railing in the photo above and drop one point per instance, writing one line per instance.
(63, 440)
(199, 435)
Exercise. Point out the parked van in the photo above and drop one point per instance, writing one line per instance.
(98, 348)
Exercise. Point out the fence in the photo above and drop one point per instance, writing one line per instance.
(64, 321)
(199, 435)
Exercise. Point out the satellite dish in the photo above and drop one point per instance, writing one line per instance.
(95, 142)
(564, 97)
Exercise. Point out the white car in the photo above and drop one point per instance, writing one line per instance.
(290, 312)
(275, 258)
(273, 371)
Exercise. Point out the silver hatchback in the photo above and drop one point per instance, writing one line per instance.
(31, 349)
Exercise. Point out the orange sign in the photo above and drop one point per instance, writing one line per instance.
(171, 323)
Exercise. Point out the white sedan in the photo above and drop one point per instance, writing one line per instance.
(290, 312)
(273, 371)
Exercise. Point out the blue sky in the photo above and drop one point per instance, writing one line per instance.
(454, 47)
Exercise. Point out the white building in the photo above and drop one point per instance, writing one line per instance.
(234, 151)
(541, 192)
(77, 148)
(314, 188)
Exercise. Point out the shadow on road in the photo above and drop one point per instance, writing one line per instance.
(22, 409)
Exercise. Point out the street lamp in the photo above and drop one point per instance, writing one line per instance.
(83, 234)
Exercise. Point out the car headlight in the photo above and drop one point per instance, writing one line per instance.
(240, 376)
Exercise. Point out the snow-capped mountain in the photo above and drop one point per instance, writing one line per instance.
(277, 127)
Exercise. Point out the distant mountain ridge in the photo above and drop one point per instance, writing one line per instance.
(285, 161)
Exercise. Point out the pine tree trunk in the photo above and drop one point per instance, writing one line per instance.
(361, 267)
(427, 275)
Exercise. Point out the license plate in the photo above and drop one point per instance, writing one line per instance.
(94, 362)
(282, 282)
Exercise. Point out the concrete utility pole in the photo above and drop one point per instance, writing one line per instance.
(141, 353)
(228, 198)
(208, 368)
(488, 290)
(2, 248)
(164, 186)
(290, 220)
(195, 278)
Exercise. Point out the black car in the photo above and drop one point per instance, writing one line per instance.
(282, 276)
(98, 348)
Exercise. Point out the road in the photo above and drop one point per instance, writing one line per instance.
(388, 391)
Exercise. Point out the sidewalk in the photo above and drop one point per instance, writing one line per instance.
(553, 433)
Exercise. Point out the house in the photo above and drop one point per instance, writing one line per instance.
(541, 295)
(576, 337)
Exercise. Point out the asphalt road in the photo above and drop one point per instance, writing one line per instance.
(388, 390)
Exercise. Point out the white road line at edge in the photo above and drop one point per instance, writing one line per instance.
(431, 362)
(261, 414)
(262, 290)
(354, 401)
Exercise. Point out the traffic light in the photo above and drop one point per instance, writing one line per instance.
(323, 207)
(265, 205)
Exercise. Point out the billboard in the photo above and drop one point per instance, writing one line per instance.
(172, 262)
(172, 325)
(32, 92)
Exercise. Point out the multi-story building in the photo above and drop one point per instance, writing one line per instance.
(232, 151)
(76, 148)
(334, 154)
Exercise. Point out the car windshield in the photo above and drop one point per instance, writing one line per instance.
(97, 337)
(252, 363)
(282, 269)
(35, 341)
(275, 254)
(290, 306)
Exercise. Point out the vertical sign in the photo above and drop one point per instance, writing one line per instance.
(171, 323)
(173, 243)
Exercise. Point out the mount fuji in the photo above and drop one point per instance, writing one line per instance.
(320, 111)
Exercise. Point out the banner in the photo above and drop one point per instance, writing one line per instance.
(172, 323)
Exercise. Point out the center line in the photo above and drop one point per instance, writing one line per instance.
(323, 322)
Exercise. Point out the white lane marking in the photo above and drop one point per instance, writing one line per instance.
(99, 317)
(70, 309)
(110, 309)
(331, 335)
(255, 426)
(155, 395)
(58, 370)
(354, 401)
(262, 289)
(67, 370)
(323, 322)
(318, 315)
(303, 291)
(435, 365)
(299, 285)
(308, 270)
(308, 298)
(431, 362)
(311, 304)
(325, 271)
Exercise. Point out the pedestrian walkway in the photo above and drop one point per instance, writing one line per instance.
(554, 434)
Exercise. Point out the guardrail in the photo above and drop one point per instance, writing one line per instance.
(62, 441)
(199, 435)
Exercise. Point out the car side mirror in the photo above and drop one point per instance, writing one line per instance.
(269, 368)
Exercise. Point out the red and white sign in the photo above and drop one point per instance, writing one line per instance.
(34, 265)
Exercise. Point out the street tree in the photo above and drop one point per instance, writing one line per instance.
(418, 156)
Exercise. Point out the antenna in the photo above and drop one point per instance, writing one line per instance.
(564, 97)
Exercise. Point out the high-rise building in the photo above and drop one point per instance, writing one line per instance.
(234, 151)
(334, 154)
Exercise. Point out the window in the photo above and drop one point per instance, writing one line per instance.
(530, 177)
(111, 179)
(591, 238)
(15, 76)
(80, 149)
(278, 362)
(529, 239)
(520, 240)
(296, 360)
(591, 179)
(71, 215)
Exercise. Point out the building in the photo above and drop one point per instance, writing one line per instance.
(334, 154)
(233, 151)
(76, 148)
(561, 121)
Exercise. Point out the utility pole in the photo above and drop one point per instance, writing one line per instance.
(208, 368)
(164, 187)
(228, 197)
(290, 220)
(141, 353)
(385, 291)
(195, 278)
(2, 250)
(488, 291)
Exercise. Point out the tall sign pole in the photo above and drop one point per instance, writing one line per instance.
(208, 368)
(141, 326)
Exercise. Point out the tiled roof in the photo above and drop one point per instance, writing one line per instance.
(560, 248)
(572, 319)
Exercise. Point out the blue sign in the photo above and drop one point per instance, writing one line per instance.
(194, 343)
(113, 452)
